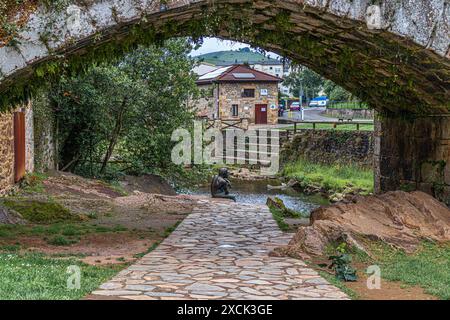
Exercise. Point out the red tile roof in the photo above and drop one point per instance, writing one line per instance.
(238, 73)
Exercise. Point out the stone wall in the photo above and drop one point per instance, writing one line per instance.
(6, 152)
(29, 138)
(231, 93)
(331, 146)
(7, 157)
(350, 113)
(205, 105)
(413, 154)
(44, 134)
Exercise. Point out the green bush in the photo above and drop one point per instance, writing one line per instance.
(71, 230)
(60, 240)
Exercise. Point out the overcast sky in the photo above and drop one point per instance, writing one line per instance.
(214, 44)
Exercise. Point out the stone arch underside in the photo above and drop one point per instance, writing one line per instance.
(402, 66)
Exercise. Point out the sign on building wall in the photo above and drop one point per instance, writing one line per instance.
(264, 92)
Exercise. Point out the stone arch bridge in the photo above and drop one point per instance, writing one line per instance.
(393, 54)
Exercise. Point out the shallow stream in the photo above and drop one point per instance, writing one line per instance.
(257, 192)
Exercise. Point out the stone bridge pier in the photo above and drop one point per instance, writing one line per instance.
(413, 154)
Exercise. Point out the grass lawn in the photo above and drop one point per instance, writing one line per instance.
(331, 177)
(61, 234)
(428, 267)
(324, 126)
(36, 277)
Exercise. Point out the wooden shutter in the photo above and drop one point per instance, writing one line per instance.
(19, 146)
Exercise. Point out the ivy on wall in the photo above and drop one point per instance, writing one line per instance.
(44, 129)
(13, 14)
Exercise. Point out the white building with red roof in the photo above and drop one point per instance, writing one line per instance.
(239, 92)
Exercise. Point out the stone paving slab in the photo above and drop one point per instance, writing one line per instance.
(220, 251)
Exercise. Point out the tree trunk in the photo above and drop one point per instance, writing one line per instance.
(115, 136)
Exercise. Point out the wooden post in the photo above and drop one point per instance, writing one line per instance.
(357, 126)
(314, 126)
(295, 127)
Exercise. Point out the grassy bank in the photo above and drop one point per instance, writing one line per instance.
(34, 276)
(333, 178)
(66, 221)
(279, 216)
(419, 274)
(428, 267)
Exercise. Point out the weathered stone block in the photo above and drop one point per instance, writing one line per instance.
(10, 60)
(423, 155)
(447, 173)
(445, 195)
(426, 187)
(328, 146)
(432, 172)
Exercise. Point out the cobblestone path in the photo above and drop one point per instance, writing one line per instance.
(220, 251)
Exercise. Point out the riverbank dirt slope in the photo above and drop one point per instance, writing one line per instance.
(398, 218)
(106, 224)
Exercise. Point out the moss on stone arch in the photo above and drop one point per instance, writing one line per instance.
(353, 65)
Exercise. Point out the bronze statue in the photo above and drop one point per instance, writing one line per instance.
(220, 185)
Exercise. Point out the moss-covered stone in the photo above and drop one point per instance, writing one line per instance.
(40, 211)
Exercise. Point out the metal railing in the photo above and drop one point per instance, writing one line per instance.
(347, 105)
(288, 133)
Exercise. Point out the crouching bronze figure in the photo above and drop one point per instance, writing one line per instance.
(220, 185)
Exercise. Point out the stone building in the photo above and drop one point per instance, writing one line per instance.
(239, 92)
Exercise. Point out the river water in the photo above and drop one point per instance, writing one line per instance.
(256, 192)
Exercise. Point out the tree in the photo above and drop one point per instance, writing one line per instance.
(312, 82)
(170, 83)
(93, 112)
(335, 92)
(125, 111)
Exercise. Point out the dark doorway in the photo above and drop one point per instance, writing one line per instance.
(261, 114)
(19, 146)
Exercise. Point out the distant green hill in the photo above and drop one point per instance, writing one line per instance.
(244, 55)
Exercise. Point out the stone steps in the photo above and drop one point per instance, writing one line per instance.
(243, 160)
(256, 152)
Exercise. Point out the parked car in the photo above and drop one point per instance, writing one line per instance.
(319, 102)
(295, 106)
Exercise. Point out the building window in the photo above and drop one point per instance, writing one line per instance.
(248, 93)
(235, 110)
